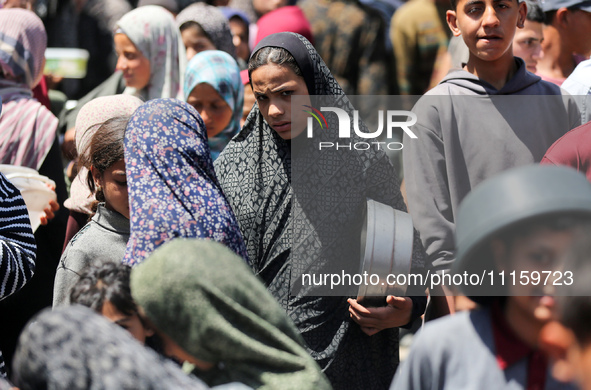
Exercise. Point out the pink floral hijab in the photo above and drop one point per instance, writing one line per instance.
(172, 187)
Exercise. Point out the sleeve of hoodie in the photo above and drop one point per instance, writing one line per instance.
(427, 187)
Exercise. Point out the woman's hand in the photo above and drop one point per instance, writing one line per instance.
(396, 313)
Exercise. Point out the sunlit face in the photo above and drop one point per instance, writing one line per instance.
(195, 41)
(214, 110)
(131, 323)
(527, 44)
(239, 31)
(487, 26)
(114, 184)
(531, 255)
(273, 86)
(131, 61)
(265, 6)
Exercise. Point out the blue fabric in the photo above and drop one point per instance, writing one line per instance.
(173, 189)
(220, 70)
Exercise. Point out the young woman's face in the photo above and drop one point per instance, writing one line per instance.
(527, 44)
(214, 110)
(195, 41)
(487, 26)
(131, 61)
(114, 184)
(239, 31)
(273, 86)
(131, 323)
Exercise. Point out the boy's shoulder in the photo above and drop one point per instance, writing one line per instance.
(455, 330)
(461, 82)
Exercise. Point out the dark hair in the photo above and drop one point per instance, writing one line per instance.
(197, 26)
(549, 16)
(104, 149)
(109, 282)
(454, 3)
(574, 304)
(534, 11)
(273, 55)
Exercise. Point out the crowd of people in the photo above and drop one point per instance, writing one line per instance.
(193, 194)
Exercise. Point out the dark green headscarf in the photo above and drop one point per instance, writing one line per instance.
(205, 298)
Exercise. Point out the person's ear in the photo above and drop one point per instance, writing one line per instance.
(452, 22)
(522, 14)
(562, 17)
(149, 331)
(96, 175)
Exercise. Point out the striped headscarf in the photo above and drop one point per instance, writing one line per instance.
(173, 189)
(27, 129)
(91, 116)
(213, 22)
(221, 71)
(153, 31)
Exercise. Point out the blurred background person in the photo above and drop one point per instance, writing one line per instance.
(204, 27)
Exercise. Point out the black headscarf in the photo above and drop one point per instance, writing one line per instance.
(290, 230)
(75, 348)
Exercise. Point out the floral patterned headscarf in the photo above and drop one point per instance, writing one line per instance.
(173, 189)
(153, 31)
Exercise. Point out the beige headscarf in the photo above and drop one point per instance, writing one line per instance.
(89, 119)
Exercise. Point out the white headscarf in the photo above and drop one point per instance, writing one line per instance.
(153, 31)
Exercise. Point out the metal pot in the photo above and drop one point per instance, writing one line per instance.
(386, 249)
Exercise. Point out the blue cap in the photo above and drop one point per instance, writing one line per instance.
(553, 5)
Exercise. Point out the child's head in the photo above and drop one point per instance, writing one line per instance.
(105, 161)
(527, 43)
(520, 223)
(570, 22)
(195, 39)
(487, 26)
(105, 289)
(213, 86)
(534, 248)
(204, 27)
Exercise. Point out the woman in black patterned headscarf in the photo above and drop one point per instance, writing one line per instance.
(294, 203)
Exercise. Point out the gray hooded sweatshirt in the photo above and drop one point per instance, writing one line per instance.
(468, 131)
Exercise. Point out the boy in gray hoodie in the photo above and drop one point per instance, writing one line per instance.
(479, 121)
